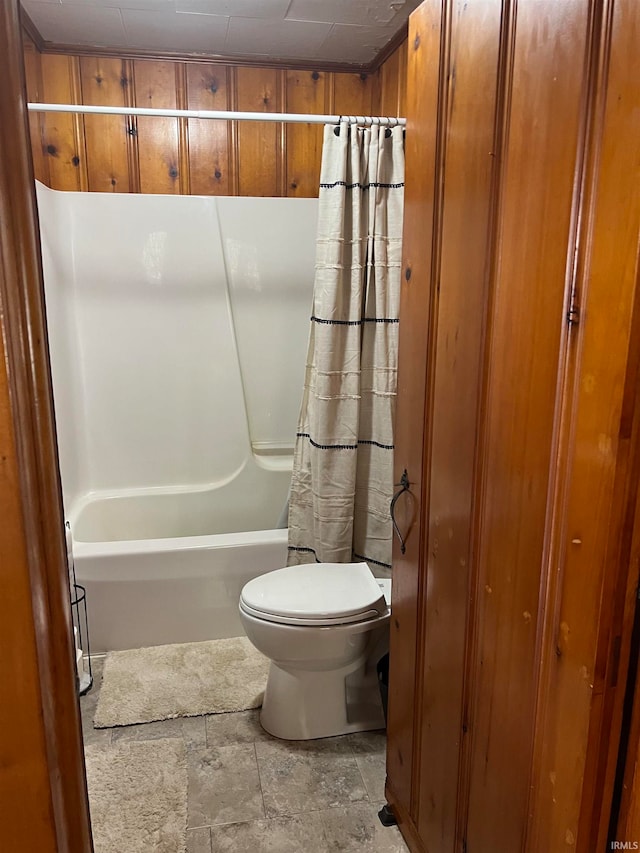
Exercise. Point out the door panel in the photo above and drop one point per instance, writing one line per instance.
(514, 422)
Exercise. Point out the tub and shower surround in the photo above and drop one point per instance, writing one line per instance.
(178, 330)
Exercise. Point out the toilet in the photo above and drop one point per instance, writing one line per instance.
(324, 627)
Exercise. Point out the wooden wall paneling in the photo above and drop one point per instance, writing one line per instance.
(542, 105)
(33, 72)
(24, 760)
(306, 92)
(393, 83)
(105, 81)
(402, 79)
(259, 143)
(591, 558)
(388, 85)
(144, 154)
(158, 138)
(63, 146)
(416, 312)
(353, 94)
(43, 797)
(212, 164)
(468, 99)
(183, 128)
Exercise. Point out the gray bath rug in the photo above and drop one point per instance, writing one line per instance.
(183, 680)
(138, 796)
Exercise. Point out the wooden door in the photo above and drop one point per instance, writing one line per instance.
(515, 422)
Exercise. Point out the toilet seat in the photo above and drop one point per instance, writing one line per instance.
(318, 594)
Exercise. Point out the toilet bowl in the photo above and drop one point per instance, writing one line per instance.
(324, 627)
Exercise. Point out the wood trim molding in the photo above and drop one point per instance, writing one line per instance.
(30, 29)
(210, 58)
(37, 483)
(213, 58)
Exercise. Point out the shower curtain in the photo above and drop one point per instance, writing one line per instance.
(342, 473)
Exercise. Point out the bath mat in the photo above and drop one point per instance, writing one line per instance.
(138, 796)
(181, 680)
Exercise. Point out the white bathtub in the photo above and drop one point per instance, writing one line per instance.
(178, 328)
(155, 591)
(168, 566)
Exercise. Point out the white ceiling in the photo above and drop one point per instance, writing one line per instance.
(343, 31)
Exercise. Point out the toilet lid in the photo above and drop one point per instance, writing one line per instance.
(320, 592)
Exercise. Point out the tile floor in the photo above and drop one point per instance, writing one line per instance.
(251, 792)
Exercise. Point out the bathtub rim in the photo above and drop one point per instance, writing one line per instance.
(206, 542)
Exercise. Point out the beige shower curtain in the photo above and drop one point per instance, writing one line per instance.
(342, 474)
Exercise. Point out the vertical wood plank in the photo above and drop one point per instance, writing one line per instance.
(60, 140)
(353, 94)
(305, 94)
(104, 81)
(183, 128)
(78, 124)
(416, 312)
(590, 559)
(33, 73)
(259, 151)
(402, 78)
(158, 138)
(211, 168)
(468, 99)
(389, 85)
(542, 108)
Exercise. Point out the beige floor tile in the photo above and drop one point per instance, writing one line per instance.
(224, 786)
(373, 769)
(298, 834)
(358, 828)
(240, 727)
(199, 840)
(368, 743)
(299, 776)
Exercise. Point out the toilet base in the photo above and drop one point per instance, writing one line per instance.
(304, 705)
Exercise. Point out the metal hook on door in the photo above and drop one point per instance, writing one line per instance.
(404, 487)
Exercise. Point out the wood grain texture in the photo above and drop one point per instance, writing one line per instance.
(543, 107)
(212, 164)
(104, 81)
(43, 800)
(154, 85)
(306, 93)
(468, 99)
(259, 143)
(354, 94)
(416, 313)
(164, 155)
(393, 83)
(65, 156)
(33, 73)
(516, 608)
(590, 560)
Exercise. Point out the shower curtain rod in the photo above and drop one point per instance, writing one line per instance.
(231, 115)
